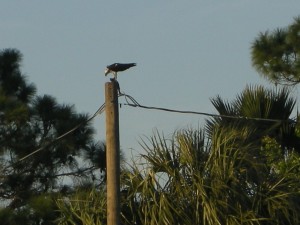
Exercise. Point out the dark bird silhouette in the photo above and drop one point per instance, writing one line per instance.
(118, 67)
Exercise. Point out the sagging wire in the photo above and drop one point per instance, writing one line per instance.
(98, 112)
(130, 101)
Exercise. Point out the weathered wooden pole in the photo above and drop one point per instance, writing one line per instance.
(112, 153)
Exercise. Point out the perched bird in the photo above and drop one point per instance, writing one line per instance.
(117, 67)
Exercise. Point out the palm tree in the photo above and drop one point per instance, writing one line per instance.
(266, 111)
(233, 172)
(191, 180)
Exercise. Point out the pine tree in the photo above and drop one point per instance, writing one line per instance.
(29, 122)
(275, 54)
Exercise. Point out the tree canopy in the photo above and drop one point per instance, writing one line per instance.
(241, 168)
(29, 122)
(276, 54)
(267, 111)
(195, 179)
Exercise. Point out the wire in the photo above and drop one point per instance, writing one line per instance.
(98, 112)
(130, 101)
(133, 103)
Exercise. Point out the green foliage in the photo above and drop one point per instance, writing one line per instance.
(289, 163)
(236, 171)
(216, 182)
(10, 217)
(276, 54)
(29, 122)
(40, 209)
(43, 206)
(255, 103)
(83, 207)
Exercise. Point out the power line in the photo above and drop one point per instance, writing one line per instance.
(99, 111)
(133, 103)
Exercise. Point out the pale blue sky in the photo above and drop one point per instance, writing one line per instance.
(186, 53)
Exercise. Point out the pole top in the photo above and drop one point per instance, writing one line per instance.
(114, 84)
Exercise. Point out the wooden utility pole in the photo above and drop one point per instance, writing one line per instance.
(112, 152)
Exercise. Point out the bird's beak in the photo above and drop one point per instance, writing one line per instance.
(107, 71)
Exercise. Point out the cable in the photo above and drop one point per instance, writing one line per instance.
(130, 101)
(134, 103)
(99, 111)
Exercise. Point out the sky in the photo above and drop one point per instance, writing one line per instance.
(187, 52)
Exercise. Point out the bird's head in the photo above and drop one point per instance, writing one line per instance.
(107, 71)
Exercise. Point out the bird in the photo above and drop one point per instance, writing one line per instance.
(118, 67)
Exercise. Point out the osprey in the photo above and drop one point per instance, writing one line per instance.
(117, 67)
